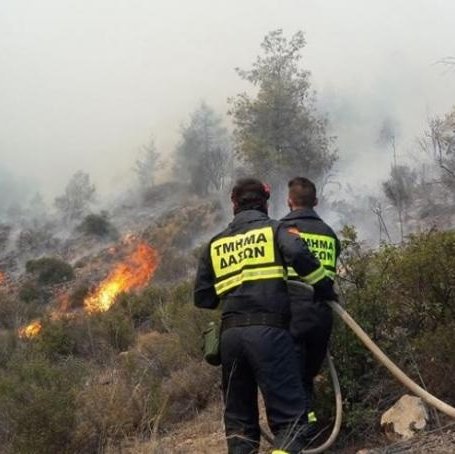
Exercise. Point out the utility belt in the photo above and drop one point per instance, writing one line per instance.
(273, 320)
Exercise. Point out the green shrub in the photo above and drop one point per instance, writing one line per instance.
(189, 390)
(140, 308)
(8, 345)
(55, 340)
(402, 296)
(106, 409)
(435, 358)
(115, 328)
(31, 292)
(96, 337)
(163, 353)
(14, 312)
(78, 295)
(37, 402)
(97, 225)
(50, 270)
(177, 314)
(175, 266)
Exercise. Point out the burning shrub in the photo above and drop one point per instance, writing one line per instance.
(133, 273)
(13, 312)
(98, 225)
(50, 270)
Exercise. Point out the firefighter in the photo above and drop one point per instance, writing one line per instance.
(243, 268)
(311, 324)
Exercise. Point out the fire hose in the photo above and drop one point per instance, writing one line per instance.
(384, 360)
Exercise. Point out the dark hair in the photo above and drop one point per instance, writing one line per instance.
(249, 194)
(302, 192)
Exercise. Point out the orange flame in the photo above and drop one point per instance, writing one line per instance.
(31, 330)
(133, 273)
(2, 278)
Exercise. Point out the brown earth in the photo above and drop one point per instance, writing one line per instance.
(205, 435)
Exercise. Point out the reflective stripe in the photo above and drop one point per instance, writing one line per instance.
(312, 417)
(293, 273)
(269, 272)
(279, 451)
(315, 276)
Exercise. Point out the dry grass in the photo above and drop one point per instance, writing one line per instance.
(203, 434)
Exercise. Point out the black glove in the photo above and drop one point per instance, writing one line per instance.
(323, 290)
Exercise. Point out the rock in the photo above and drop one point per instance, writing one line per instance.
(405, 418)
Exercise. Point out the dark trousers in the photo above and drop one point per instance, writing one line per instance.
(264, 357)
(311, 349)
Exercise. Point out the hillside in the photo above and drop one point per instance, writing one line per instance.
(100, 343)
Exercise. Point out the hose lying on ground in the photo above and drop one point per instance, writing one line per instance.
(390, 365)
(384, 360)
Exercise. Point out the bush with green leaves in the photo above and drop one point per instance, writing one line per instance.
(32, 292)
(97, 225)
(37, 404)
(50, 270)
(404, 298)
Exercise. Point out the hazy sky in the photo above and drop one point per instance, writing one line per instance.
(83, 83)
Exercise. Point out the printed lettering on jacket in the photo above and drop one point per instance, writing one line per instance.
(231, 254)
(322, 246)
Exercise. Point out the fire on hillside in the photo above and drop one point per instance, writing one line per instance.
(31, 330)
(132, 273)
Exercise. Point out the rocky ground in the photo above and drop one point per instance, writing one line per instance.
(204, 435)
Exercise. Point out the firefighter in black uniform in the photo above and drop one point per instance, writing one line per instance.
(311, 324)
(243, 268)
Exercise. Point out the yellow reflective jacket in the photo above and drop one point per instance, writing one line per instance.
(244, 266)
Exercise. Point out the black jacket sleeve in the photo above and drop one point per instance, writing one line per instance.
(204, 287)
(338, 247)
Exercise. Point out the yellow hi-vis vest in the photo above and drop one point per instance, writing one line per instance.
(324, 249)
(249, 256)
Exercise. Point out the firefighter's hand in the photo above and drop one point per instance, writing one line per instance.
(323, 290)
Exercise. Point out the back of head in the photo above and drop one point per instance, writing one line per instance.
(250, 194)
(302, 193)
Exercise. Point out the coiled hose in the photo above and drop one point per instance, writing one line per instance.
(383, 359)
